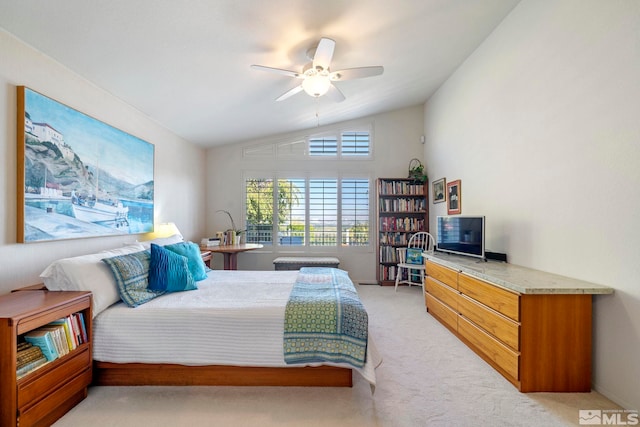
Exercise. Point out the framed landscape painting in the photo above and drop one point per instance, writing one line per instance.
(77, 176)
(439, 195)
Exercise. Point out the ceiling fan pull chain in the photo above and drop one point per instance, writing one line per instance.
(317, 113)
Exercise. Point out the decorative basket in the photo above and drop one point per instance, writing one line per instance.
(416, 170)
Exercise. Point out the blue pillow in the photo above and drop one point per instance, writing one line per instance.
(131, 272)
(194, 258)
(169, 271)
(414, 256)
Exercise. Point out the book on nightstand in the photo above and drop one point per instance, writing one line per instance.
(59, 338)
(27, 355)
(83, 329)
(67, 332)
(31, 366)
(44, 340)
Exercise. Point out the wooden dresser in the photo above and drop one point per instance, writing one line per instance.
(532, 327)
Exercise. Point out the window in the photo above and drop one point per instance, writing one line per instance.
(350, 144)
(323, 212)
(355, 144)
(326, 146)
(316, 212)
(291, 211)
(259, 211)
(355, 212)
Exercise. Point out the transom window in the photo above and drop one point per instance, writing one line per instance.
(350, 144)
(323, 146)
(354, 143)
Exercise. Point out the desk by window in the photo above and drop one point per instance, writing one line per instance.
(231, 252)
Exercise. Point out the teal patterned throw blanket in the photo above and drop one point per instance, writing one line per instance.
(324, 319)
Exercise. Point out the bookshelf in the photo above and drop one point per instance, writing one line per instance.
(43, 395)
(402, 209)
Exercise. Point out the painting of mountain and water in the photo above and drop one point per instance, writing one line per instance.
(77, 176)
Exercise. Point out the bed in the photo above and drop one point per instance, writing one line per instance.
(228, 331)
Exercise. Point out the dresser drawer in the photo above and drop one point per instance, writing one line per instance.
(495, 351)
(495, 324)
(40, 385)
(441, 312)
(492, 296)
(443, 274)
(442, 292)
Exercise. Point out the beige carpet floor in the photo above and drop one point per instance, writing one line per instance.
(427, 378)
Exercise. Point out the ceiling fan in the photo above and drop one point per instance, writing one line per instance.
(317, 78)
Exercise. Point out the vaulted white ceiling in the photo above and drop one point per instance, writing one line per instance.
(186, 64)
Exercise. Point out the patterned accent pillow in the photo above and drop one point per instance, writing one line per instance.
(169, 271)
(414, 256)
(132, 277)
(194, 258)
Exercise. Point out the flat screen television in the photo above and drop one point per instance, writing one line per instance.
(461, 234)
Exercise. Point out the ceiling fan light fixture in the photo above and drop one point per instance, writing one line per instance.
(316, 85)
(317, 77)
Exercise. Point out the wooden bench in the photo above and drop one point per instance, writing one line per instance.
(295, 263)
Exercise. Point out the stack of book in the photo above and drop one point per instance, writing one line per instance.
(58, 337)
(30, 358)
(210, 242)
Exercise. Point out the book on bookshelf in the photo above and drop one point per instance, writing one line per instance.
(394, 186)
(83, 329)
(71, 329)
(28, 360)
(44, 340)
(26, 351)
(63, 326)
(72, 338)
(27, 355)
(23, 344)
(54, 339)
(59, 339)
(31, 366)
(77, 330)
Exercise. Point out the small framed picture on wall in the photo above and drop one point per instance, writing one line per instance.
(439, 195)
(454, 197)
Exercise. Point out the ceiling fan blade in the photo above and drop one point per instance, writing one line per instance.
(277, 70)
(335, 94)
(289, 93)
(356, 73)
(324, 53)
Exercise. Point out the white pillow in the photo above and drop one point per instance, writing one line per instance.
(88, 273)
(163, 241)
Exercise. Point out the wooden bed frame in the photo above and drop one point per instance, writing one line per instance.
(132, 374)
(129, 374)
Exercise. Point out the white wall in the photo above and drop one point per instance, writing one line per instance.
(396, 141)
(542, 125)
(179, 165)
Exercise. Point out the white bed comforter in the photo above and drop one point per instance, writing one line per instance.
(234, 318)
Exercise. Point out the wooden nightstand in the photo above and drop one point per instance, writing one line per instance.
(206, 257)
(46, 394)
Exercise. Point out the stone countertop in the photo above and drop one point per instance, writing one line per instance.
(516, 278)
